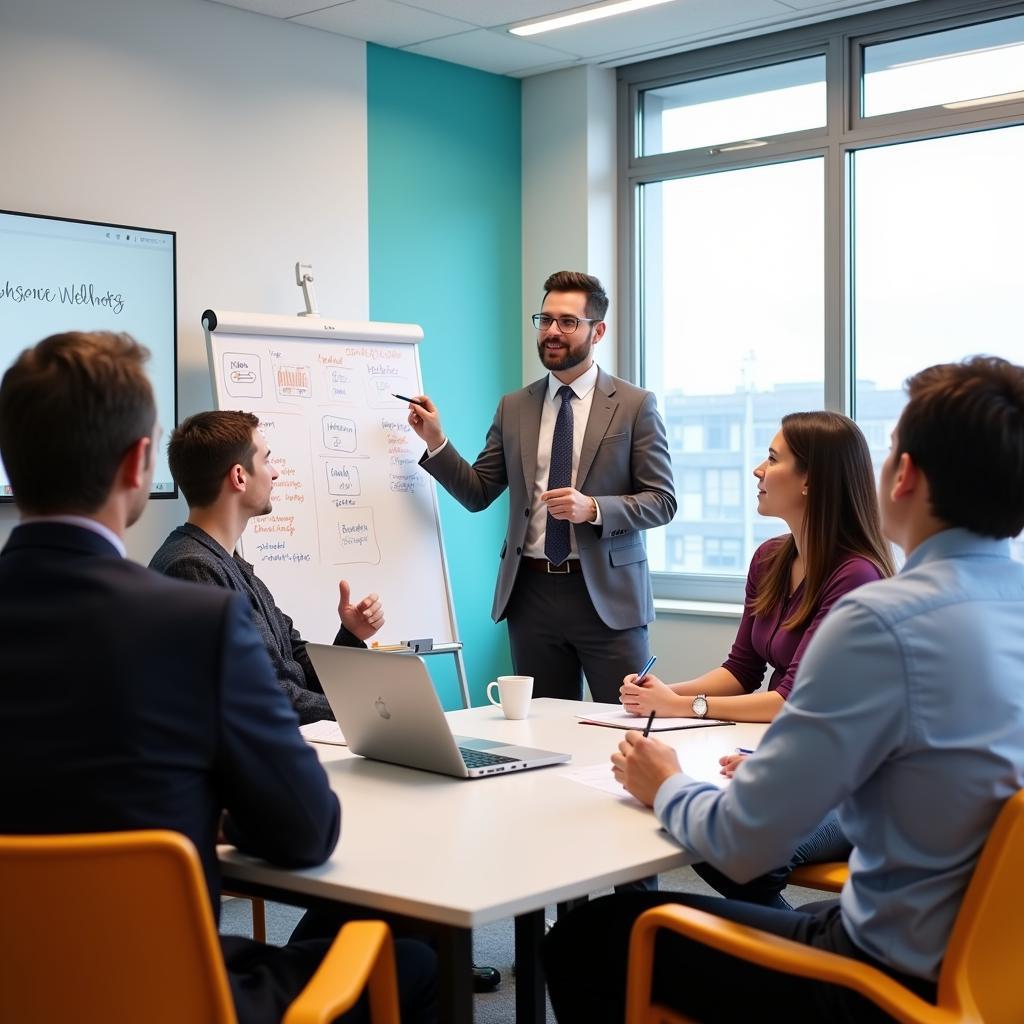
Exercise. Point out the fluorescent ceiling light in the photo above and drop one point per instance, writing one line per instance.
(984, 101)
(585, 14)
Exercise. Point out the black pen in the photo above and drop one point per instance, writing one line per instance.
(411, 401)
(650, 722)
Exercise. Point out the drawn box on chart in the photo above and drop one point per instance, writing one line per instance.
(380, 391)
(339, 434)
(341, 385)
(357, 537)
(342, 477)
(243, 376)
(293, 381)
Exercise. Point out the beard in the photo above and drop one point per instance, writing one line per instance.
(568, 358)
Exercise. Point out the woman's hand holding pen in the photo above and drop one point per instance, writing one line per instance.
(426, 421)
(641, 698)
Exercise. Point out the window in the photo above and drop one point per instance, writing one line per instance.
(782, 260)
(956, 66)
(732, 327)
(722, 552)
(936, 261)
(736, 108)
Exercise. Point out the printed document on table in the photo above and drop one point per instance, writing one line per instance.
(324, 731)
(624, 720)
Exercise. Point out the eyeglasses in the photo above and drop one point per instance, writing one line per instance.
(566, 324)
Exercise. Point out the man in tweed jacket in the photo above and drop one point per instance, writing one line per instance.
(222, 464)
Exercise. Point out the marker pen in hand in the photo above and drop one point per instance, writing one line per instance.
(650, 722)
(411, 401)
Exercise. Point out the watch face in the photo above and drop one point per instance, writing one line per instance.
(700, 706)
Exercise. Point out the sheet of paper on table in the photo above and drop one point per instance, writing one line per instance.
(324, 731)
(624, 720)
(598, 776)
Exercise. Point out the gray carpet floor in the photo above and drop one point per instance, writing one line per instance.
(492, 944)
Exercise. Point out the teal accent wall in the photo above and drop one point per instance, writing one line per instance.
(445, 252)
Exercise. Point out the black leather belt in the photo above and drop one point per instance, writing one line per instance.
(569, 566)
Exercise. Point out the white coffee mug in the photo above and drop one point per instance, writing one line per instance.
(514, 693)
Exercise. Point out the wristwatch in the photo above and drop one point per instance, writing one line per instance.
(700, 706)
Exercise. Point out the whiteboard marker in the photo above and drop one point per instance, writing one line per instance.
(411, 401)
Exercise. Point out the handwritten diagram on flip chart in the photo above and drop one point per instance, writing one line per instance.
(350, 501)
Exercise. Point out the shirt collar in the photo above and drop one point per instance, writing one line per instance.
(581, 386)
(956, 542)
(86, 524)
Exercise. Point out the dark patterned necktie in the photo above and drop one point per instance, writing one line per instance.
(556, 535)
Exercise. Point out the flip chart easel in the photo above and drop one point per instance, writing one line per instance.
(350, 501)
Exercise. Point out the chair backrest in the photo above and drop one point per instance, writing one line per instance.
(113, 928)
(981, 971)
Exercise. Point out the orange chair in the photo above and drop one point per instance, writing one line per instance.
(979, 981)
(116, 928)
(829, 875)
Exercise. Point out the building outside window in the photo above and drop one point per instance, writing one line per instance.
(814, 216)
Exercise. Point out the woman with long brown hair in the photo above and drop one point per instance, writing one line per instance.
(818, 478)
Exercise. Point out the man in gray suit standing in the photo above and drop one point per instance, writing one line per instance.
(586, 462)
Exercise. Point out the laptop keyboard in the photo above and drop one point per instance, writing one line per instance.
(479, 759)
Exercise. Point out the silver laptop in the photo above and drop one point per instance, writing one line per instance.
(388, 710)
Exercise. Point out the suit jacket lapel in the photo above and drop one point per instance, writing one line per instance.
(602, 408)
(529, 429)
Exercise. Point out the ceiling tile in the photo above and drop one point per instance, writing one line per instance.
(488, 13)
(278, 8)
(492, 51)
(383, 21)
(654, 26)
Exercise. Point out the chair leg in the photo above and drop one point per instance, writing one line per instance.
(259, 920)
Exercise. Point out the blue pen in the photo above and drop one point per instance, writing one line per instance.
(642, 674)
(743, 750)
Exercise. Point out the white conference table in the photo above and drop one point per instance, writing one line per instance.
(443, 855)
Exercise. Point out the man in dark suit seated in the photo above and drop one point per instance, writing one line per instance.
(132, 701)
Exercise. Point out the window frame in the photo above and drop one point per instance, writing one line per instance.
(845, 132)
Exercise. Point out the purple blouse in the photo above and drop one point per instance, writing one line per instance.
(761, 641)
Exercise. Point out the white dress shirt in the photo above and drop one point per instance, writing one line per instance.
(583, 387)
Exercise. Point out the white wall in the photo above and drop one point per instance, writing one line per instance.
(569, 190)
(244, 134)
(688, 645)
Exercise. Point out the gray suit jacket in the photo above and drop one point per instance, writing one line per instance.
(624, 464)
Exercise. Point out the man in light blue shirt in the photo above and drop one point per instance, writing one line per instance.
(907, 714)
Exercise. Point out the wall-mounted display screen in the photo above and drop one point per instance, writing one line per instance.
(72, 275)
